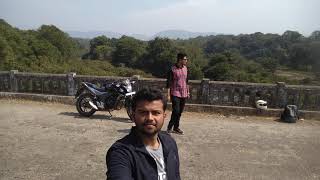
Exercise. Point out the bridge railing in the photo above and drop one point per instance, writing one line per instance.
(201, 91)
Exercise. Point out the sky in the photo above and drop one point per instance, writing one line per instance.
(148, 17)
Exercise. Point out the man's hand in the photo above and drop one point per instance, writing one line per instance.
(168, 98)
(168, 95)
(188, 91)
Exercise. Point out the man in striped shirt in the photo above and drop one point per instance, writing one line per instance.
(178, 91)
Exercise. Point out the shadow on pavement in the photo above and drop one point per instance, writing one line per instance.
(280, 121)
(126, 131)
(97, 117)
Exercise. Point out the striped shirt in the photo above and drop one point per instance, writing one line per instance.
(177, 81)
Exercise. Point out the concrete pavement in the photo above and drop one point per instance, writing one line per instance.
(51, 141)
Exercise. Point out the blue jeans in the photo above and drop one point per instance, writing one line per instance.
(177, 109)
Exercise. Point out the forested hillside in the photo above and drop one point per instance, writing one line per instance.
(257, 57)
(50, 50)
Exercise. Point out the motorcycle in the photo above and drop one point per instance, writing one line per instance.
(109, 97)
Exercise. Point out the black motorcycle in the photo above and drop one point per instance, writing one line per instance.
(108, 97)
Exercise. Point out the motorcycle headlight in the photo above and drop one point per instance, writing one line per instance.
(127, 81)
(127, 85)
(129, 88)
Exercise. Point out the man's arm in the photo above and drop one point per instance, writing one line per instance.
(118, 165)
(178, 159)
(169, 83)
(187, 82)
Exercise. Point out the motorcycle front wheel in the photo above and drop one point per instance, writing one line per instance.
(83, 106)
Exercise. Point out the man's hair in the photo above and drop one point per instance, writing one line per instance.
(148, 94)
(181, 56)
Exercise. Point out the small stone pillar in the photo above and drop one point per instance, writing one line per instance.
(204, 91)
(136, 85)
(13, 81)
(281, 95)
(71, 84)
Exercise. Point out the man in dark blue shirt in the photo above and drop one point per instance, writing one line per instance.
(146, 153)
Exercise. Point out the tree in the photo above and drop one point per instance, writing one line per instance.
(101, 48)
(220, 72)
(315, 56)
(40, 47)
(220, 67)
(290, 37)
(195, 72)
(7, 58)
(269, 64)
(66, 45)
(128, 51)
(300, 56)
(161, 55)
(221, 43)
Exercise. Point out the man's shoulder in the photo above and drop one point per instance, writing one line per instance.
(166, 135)
(123, 145)
(126, 141)
(175, 67)
(172, 68)
(166, 138)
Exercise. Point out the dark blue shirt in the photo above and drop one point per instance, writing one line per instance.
(128, 159)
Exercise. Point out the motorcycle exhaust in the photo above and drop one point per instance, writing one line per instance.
(93, 105)
(130, 94)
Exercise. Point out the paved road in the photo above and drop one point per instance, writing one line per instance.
(50, 141)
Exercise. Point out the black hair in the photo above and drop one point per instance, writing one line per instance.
(148, 94)
(181, 56)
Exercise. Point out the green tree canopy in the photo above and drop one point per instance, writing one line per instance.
(161, 54)
(128, 51)
(101, 48)
(66, 45)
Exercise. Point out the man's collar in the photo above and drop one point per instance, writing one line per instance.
(137, 141)
(138, 144)
(176, 65)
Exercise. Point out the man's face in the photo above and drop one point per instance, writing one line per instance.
(149, 117)
(184, 61)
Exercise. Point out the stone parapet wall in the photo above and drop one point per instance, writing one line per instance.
(221, 93)
(203, 108)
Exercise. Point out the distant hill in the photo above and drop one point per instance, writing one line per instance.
(181, 34)
(171, 34)
(93, 34)
(141, 37)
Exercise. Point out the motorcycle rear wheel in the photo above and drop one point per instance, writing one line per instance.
(83, 106)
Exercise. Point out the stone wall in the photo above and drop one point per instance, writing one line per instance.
(201, 92)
